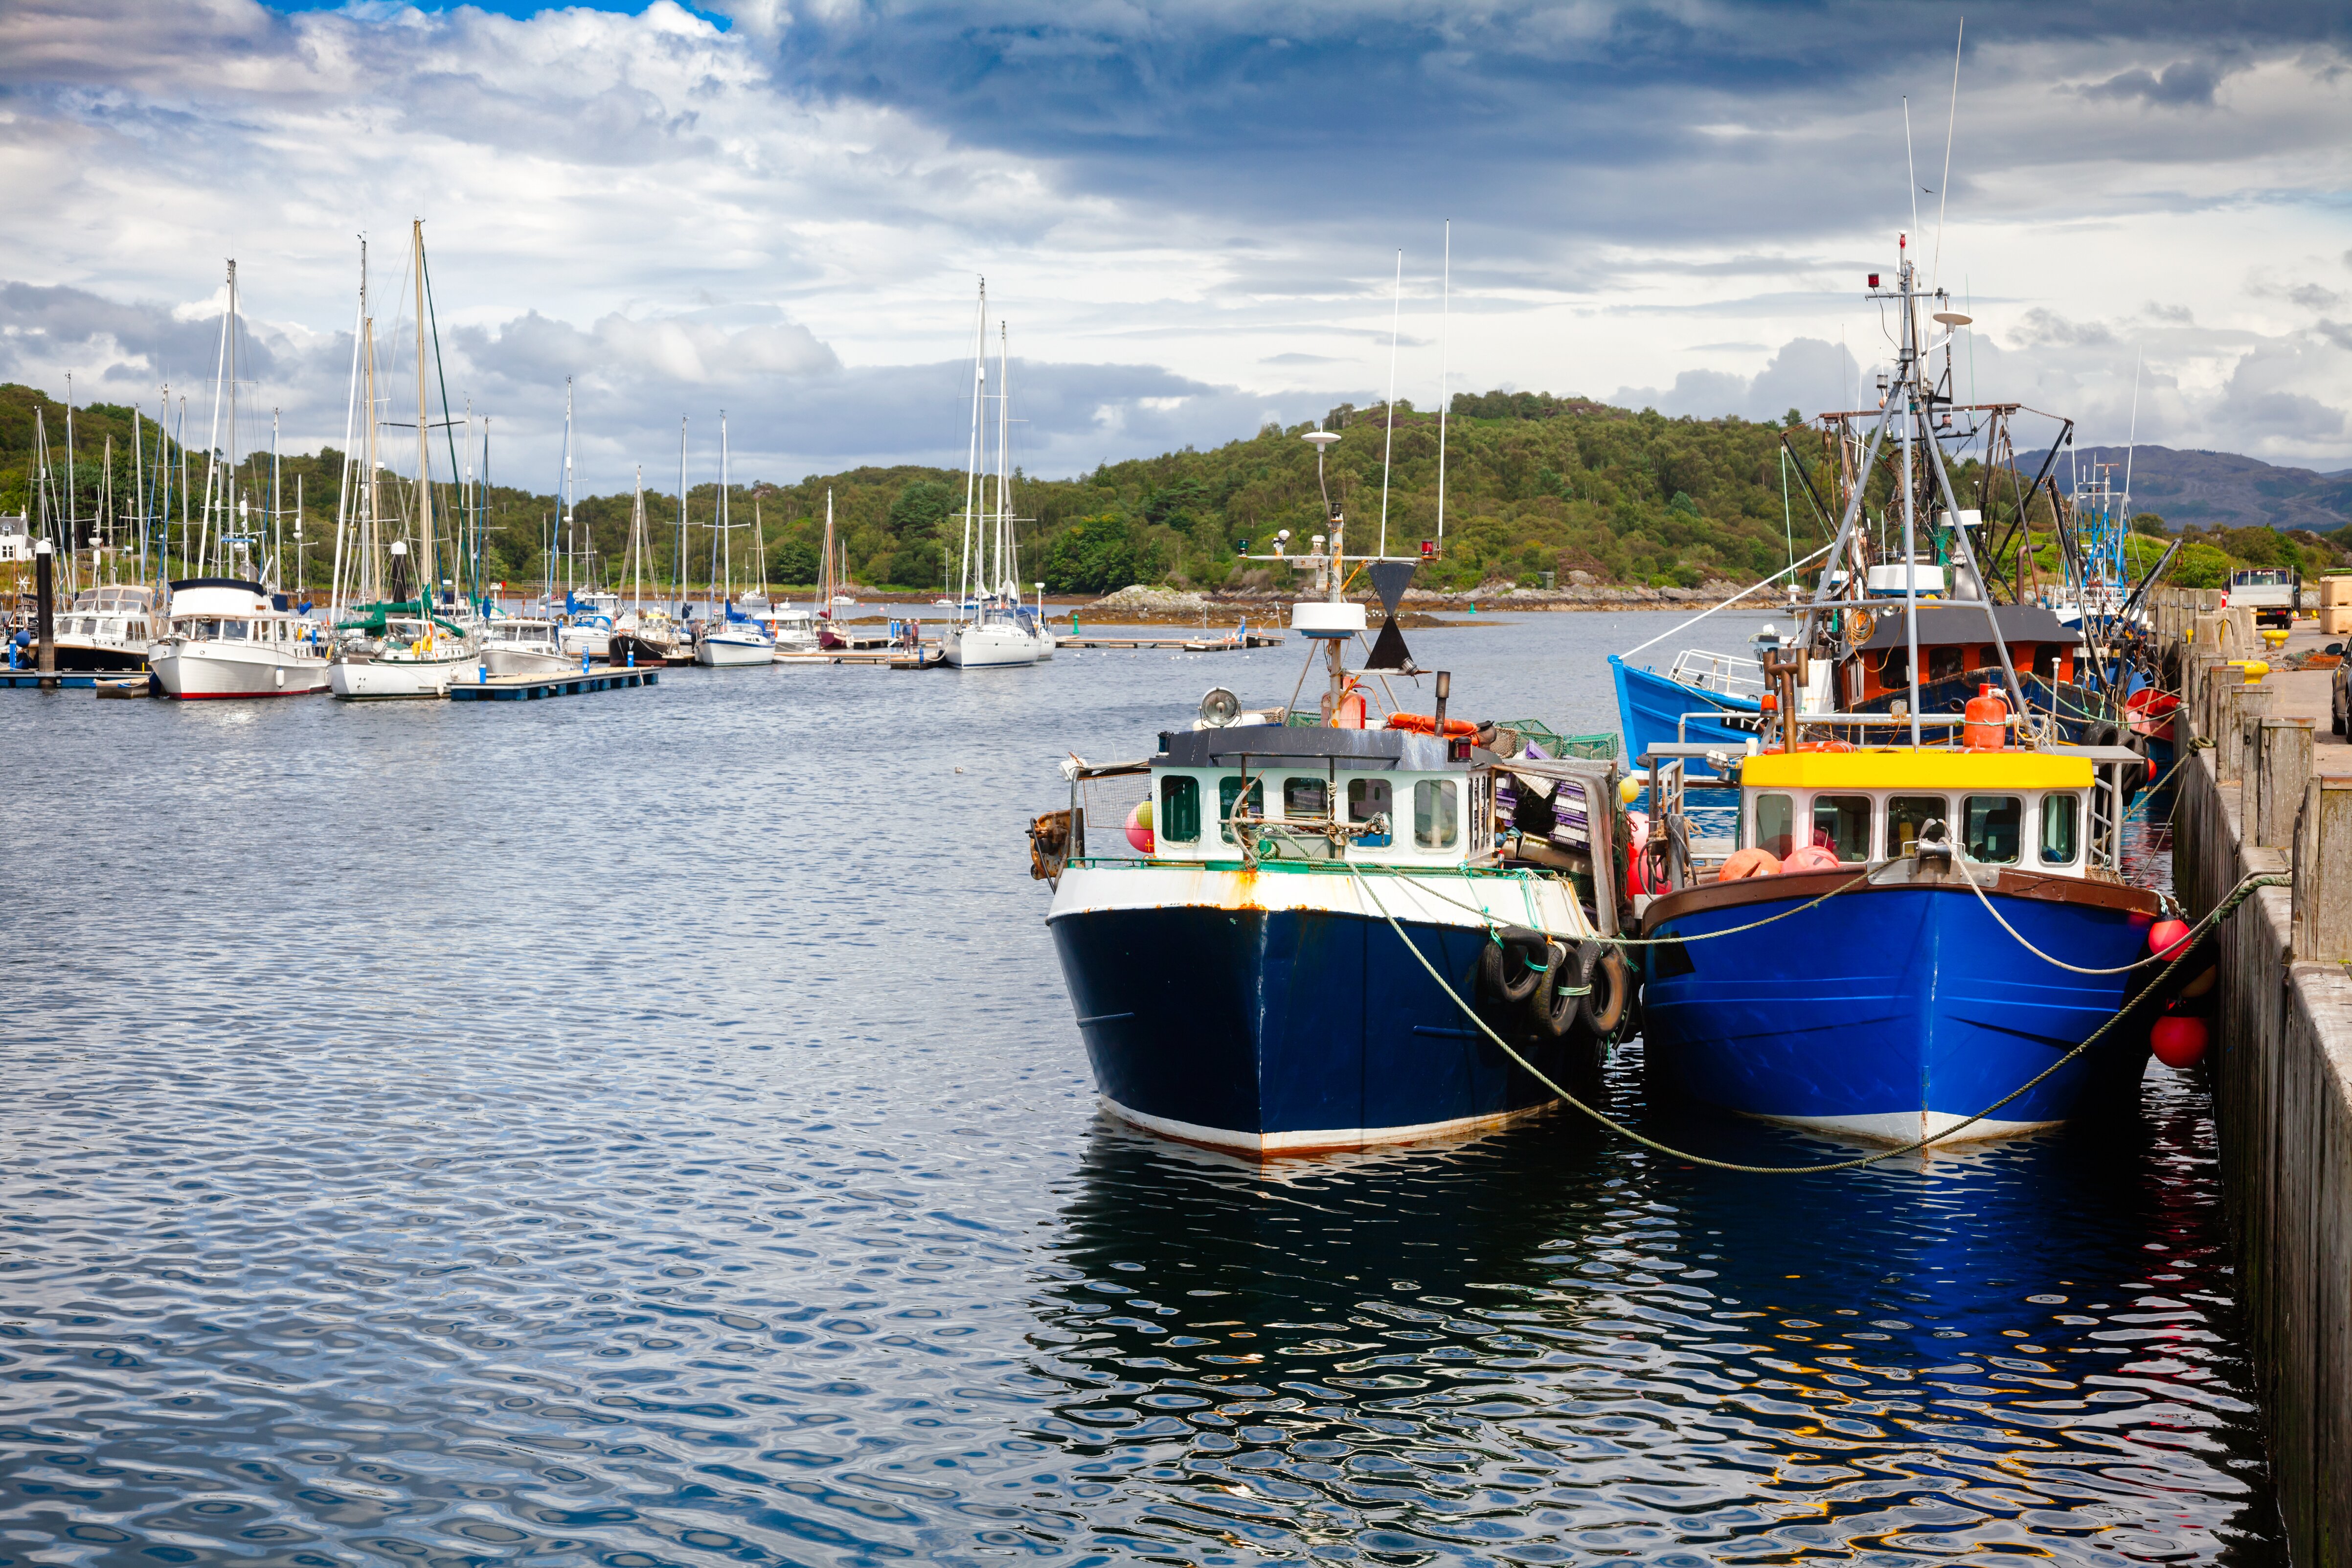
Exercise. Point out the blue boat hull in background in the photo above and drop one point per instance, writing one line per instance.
(1892, 1012)
(1651, 710)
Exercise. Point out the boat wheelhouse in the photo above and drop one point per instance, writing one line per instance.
(107, 629)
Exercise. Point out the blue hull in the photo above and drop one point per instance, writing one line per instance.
(1288, 1031)
(1651, 708)
(1892, 1012)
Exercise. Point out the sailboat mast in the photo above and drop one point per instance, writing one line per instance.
(681, 512)
(567, 514)
(726, 536)
(971, 470)
(228, 482)
(428, 574)
(1003, 577)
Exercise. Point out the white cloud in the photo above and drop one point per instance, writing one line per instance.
(1175, 204)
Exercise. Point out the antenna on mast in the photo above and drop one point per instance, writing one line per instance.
(1944, 191)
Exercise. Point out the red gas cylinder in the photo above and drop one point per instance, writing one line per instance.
(2178, 1042)
(1986, 721)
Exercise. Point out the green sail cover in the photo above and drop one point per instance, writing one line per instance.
(371, 618)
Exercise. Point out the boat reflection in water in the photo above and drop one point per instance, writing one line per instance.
(1540, 1343)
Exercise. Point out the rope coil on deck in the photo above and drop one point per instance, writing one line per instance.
(2238, 895)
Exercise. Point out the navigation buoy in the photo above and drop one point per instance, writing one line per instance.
(2167, 939)
(1139, 827)
(2178, 1042)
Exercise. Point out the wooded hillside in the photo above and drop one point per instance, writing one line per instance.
(1533, 483)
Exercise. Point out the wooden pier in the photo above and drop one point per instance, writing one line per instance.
(1231, 643)
(531, 688)
(2268, 792)
(63, 680)
(899, 658)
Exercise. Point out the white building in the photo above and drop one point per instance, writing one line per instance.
(16, 545)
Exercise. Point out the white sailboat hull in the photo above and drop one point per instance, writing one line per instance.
(992, 645)
(392, 680)
(201, 670)
(726, 651)
(529, 661)
(597, 642)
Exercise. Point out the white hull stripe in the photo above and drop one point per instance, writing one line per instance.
(1317, 1140)
(1899, 1127)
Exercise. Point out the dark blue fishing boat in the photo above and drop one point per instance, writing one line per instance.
(1340, 928)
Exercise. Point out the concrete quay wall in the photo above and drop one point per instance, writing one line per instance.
(2281, 1071)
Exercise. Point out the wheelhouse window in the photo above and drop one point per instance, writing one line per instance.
(1306, 799)
(1179, 810)
(233, 631)
(1907, 815)
(2045, 660)
(1366, 799)
(1946, 663)
(1772, 823)
(1229, 790)
(2060, 814)
(1841, 823)
(1993, 824)
(1437, 814)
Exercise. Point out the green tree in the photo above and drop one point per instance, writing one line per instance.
(2149, 522)
(1099, 554)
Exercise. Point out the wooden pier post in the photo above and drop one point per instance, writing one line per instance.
(2280, 769)
(2323, 872)
(2220, 679)
(2244, 706)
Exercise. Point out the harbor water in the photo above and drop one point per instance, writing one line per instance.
(651, 1129)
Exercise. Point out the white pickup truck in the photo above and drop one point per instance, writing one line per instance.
(2274, 592)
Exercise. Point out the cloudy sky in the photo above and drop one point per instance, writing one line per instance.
(1189, 213)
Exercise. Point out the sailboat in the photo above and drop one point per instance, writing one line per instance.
(996, 630)
(226, 634)
(403, 648)
(730, 639)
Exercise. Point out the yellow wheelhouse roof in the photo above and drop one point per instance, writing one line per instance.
(1922, 768)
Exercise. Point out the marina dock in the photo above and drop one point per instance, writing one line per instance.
(532, 687)
(1232, 642)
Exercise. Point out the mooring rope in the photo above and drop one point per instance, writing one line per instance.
(2181, 951)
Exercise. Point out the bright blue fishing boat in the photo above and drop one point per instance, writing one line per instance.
(1899, 1006)
(1897, 939)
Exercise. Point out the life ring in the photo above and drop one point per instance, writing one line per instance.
(1556, 1005)
(1426, 724)
(1831, 745)
(1505, 971)
(1602, 1006)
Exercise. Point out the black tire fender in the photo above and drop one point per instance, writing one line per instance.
(1557, 1005)
(1511, 965)
(1603, 1008)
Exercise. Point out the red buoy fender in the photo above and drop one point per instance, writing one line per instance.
(2179, 1042)
(2168, 938)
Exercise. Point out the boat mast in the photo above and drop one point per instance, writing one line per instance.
(971, 493)
(1907, 388)
(567, 514)
(1002, 580)
(429, 573)
(824, 572)
(681, 516)
(344, 491)
(1444, 396)
(371, 577)
(726, 537)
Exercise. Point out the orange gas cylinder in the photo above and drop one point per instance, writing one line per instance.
(1986, 726)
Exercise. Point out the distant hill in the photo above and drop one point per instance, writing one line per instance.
(2222, 490)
